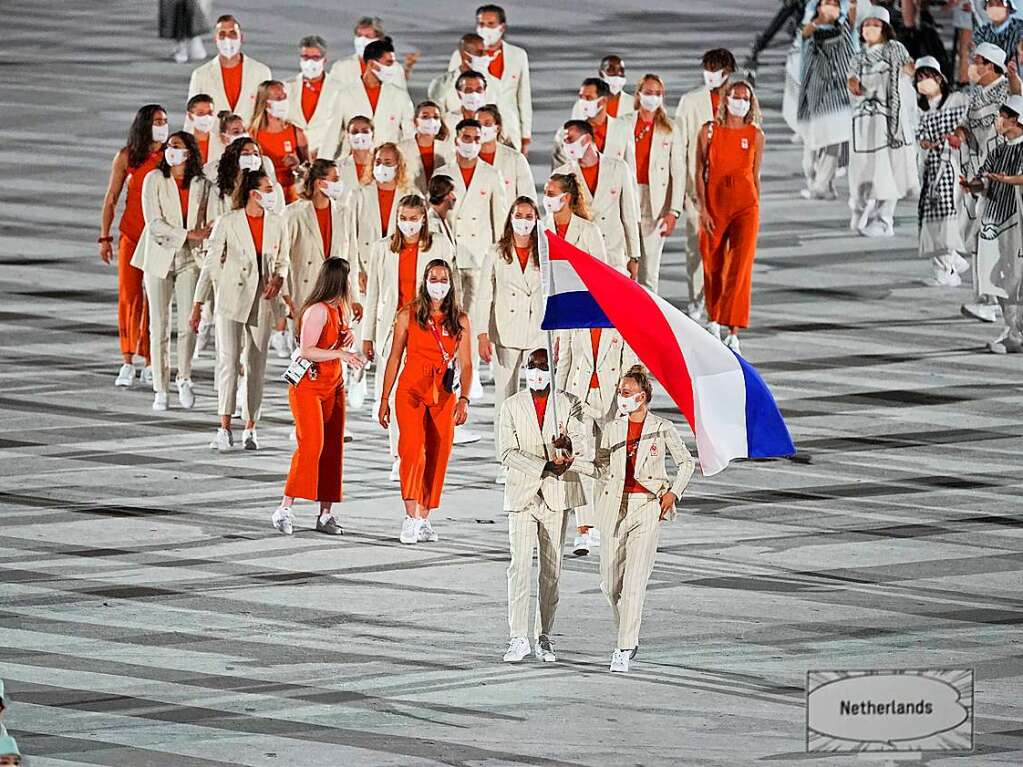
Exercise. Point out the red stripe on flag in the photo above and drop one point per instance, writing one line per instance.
(635, 315)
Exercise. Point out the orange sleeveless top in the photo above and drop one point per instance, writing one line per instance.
(276, 146)
(424, 364)
(731, 183)
(132, 221)
(328, 372)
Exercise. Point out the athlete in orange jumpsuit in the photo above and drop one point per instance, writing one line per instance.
(149, 130)
(728, 191)
(431, 333)
(318, 400)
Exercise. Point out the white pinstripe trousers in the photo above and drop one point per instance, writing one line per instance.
(627, 553)
(535, 527)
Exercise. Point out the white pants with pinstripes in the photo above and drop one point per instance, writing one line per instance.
(651, 242)
(177, 287)
(627, 553)
(535, 527)
(241, 344)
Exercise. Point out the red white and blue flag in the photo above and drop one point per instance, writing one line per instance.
(724, 399)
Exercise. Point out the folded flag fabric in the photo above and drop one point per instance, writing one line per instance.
(727, 404)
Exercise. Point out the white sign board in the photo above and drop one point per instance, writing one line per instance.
(909, 710)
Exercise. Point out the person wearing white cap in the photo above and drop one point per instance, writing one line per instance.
(882, 165)
(999, 269)
(1004, 28)
(9, 753)
(823, 113)
(940, 195)
(976, 136)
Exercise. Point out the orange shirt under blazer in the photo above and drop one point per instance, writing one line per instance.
(318, 407)
(408, 273)
(232, 77)
(734, 207)
(425, 413)
(631, 450)
(644, 135)
(276, 146)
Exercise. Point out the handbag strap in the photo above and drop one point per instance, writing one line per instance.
(440, 344)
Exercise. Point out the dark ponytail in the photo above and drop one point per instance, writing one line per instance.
(250, 180)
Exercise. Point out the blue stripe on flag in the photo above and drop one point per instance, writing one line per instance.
(767, 436)
(573, 310)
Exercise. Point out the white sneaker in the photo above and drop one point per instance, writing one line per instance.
(943, 275)
(196, 50)
(732, 342)
(249, 441)
(223, 442)
(186, 397)
(181, 52)
(410, 527)
(282, 520)
(714, 329)
(620, 661)
(396, 471)
(982, 312)
(147, 376)
(502, 476)
(695, 310)
(581, 546)
(878, 229)
(126, 375)
(466, 436)
(518, 648)
(160, 400)
(544, 650)
(806, 194)
(426, 532)
(1007, 343)
(959, 264)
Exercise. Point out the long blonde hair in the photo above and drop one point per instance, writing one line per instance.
(259, 111)
(661, 119)
(570, 185)
(414, 202)
(400, 176)
(753, 116)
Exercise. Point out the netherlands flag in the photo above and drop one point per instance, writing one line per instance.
(724, 399)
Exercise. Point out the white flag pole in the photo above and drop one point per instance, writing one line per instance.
(547, 281)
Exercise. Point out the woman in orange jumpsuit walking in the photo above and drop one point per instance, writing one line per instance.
(430, 333)
(283, 142)
(728, 192)
(146, 137)
(318, 399)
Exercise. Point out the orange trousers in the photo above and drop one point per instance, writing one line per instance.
(728, 265)
(132, 308)
(316, 466)
(426, 433)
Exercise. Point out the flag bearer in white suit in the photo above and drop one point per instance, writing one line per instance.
(510, 305)
(609, 190)
(612, 137)
(696, 109)
(507, 75)
(247, 263)
(509, 161)
(231, 78)
(660, 175)
(375, 96)
(638, 495)
(348, 71)
(179, 206)
(591, 362)
(310, 93)
(542, 456)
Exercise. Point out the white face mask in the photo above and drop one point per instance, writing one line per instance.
(871, 34)
(576, 150)
(479, 63)
(470, 150)
(204, 123)
(278, 109)
(429, 126)
(997, 14)
(361, 141)
(553, 204)
(523, 226)
(250, 161)
(410, 228)
(472, 101)
(537, 379)
(333, 189)
(311, 68)
(629, 404)
(387, 72)
(491, 35)
(651, 102)
(588, 109)
(714, 79)
(229, 47)
(267, 199)
(738, 107)
(161, 132)
(973, 74)
(361, 43)
(614, 82)
(929, 87)
(438, 291)
(175, 156)
(488, 133)
(384, 173)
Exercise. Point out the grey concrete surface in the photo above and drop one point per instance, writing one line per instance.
(150, 616)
